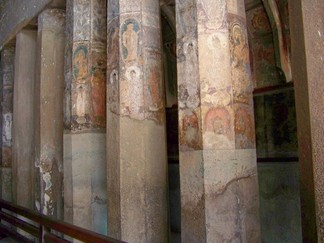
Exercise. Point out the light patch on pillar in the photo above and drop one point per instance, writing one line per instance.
(47, 180)
(6, 129)
(37, 205)
(48, 208)
(113, 92)
(48, 205)
(47, 165)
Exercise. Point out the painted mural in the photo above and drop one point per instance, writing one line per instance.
(80, 87)
(263, 60)
(86, 64)
(130, 40)
(276, 131)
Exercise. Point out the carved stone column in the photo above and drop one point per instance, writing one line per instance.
(49, 91)
(219, 188)
(23, 118)
(136, 140)
(85, 115)
(7, 82)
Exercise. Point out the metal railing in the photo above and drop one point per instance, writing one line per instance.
(42, 228)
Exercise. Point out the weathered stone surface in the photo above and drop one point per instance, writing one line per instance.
(136, 149)
(7, 80)
(219, 191)
(85, 194)
(15, 14)
(49, 90)
(307, 28)
(6, 184)
(280, 202)
(7, 77)
(136, 179)
(85, 114)
(23, 122)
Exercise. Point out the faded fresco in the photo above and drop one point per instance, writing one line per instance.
(85, 98)
(274, 113)
(85, 114)
(113, 67)
(135, 104)
(215, 122)
(130, 31)
(242, 85)
(263, 54)
(276, 130)
(135, 86)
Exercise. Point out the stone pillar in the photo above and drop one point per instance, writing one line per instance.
(23, 118)
(7, 78)
(136, 140)
(307, 36)
(49, 90)
(85, 115)
(219, 187)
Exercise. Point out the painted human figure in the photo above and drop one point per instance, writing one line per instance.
(130, 42)
(80, 65)
(240, 61)
(81, 104)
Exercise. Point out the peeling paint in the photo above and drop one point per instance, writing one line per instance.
(47, 180)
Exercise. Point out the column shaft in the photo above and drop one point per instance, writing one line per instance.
(136, 141)
(49, 91)
(23, 118)
(85, 115)
(307, 31)
(219, 191)
(7, 78)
